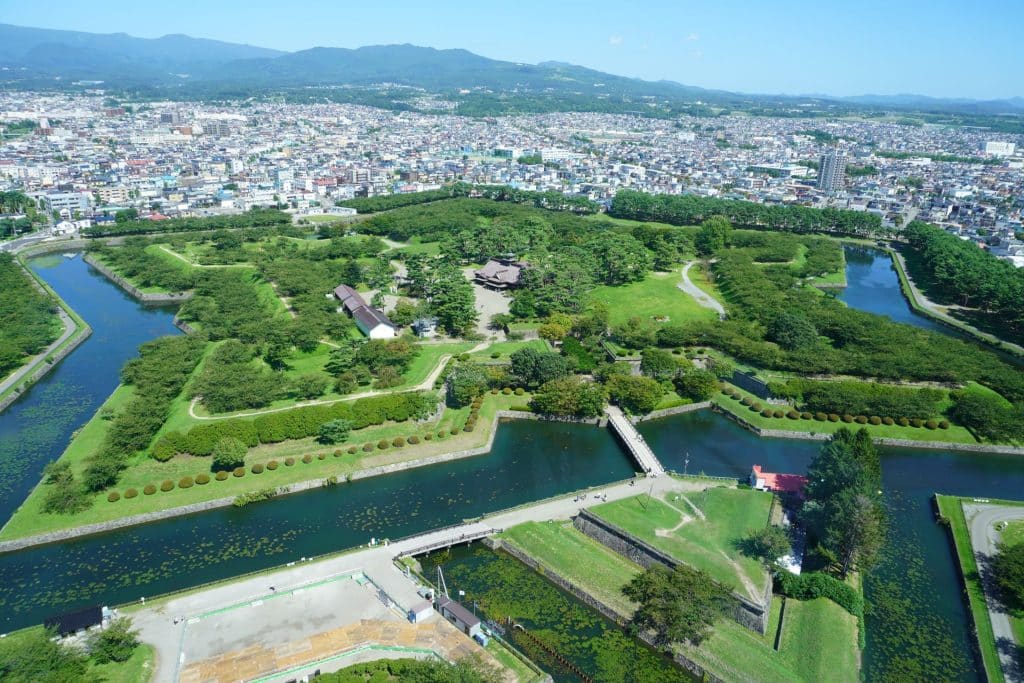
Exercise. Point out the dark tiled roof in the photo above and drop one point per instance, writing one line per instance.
(371, 317)
(458, 611)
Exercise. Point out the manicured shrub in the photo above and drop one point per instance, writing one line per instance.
(323, 456)
(307, 458)
(166, 485)
(778, 414)
(766, 412)
(875, 420)
(429, 436)
(916, 422)
(186, 482)
(256, 469)
(337, 452)
(367, 447)
(793, 415)
(832, 417)
(383, 444)
(441, 434)
(398, 442)
(113, 497)
(820, 417)
(202, 479)
(454, 430)
(808, 416)
(494, 390)
(931, 424)
(272, 465)
(847, 418)
(943, 424)
(221, 476)
(288, 462)
(469, 427)
(414, 439)
(903, 422)
(519, 391)
(238, 472)
(495, 354)
(352, 450)
(746, 400)
(811, 585)
(861, 419)
(507, 391)
(149, 489)
(888, 420)
(130, 493)
(757, 406)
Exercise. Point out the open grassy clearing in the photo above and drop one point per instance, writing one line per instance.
(955, 433)
(506, 349)
(710, 543)
(655, 297)
(578, 559)
(951, 510)
(29, 519)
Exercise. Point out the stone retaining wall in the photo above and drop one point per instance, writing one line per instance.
(70, 345)
(678, 410)
(747, 613)
(586, 598)
(881, 441)
(132, 289)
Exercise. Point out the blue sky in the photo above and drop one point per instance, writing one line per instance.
(940, 48)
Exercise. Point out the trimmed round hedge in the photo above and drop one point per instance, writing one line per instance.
(807, 416)
(943, 424)
(766, 413)
(166, 485)
(113, 497)
(916, 422)
(323, 456)
(847, 418)
(149, 489)
(367, 447)
(238, 472)
(221, 476)
(383, 444)
(888, 421)
(130, 493)
(875, 420)
(454, 431)
(202, 479)
(861, 420)
(820, 417)
(414, 439)
(931, 424)
(256, 469)
(832, 417)
(398, 442)
(793, 415)
(307, 458)
(903, 422)
(186, 482)
(777, 414)
(288, 462)
(352, 450)
(429, 436)
(272, 465)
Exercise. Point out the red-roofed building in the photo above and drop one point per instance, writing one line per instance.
(778, 483)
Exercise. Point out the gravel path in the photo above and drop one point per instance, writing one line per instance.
(981, 522)
(702, 297)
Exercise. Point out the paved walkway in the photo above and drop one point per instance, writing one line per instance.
(70, 327)
(157, 623)
(701, 297)
(981, 522)
(636, 443)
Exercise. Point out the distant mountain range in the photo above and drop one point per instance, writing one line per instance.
(45, 58)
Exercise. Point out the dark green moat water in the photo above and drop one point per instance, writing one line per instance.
(917, 628)
(498, 586)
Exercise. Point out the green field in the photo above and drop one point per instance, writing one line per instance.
(29, 519)
(955, 433)
(950, 509)
(657, 295)
(708, 543)
(578, 559)
(506, 349)
(819, 640)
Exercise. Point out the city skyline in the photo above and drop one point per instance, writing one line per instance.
(794, 47)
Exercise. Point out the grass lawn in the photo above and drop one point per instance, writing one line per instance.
(137, 669)
(507, 348)
(29, 519)
(708, 544)
(578, 559)
(657, 295)
(417, 247)
(522, 672)
(951, 510)
(115, 270)
(955, 433)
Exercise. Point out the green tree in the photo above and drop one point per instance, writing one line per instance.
(1008, 571)
(696, 383)
(714, 234)
(467, 382)
(310, 385)
(229, 453)
(792, 331)
(535, 367)
(115, 643)
(334, 431)
(637, 395)
(658, 363)
(36, 657)
(767, 544)
(680, 605)
(569, 396)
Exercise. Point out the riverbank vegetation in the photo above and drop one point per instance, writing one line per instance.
(28, 317)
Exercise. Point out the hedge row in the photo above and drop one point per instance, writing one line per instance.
(793, 414)
(298, 423)
(811, 585)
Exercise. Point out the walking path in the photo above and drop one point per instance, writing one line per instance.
(702, 297)
(634, 441)
(981, 521)
(70, 327)
(937, 311)
(425, 385)
(161, 625)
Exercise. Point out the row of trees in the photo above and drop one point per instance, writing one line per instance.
(552, 200)
(692, 210)
(252, 218)
(28, 317)
(957, 271)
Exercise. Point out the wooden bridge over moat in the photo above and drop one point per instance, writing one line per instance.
(634, 442)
